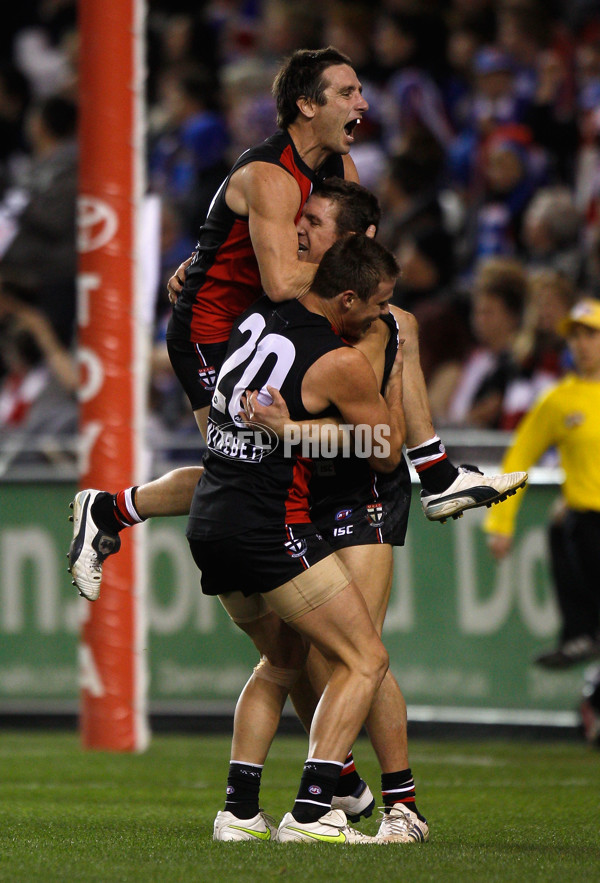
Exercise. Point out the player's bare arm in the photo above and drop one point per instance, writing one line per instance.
(276, 414)
(350, 170)
(270, 197)
(344, 378)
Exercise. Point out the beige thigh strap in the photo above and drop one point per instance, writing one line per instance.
(310, 589)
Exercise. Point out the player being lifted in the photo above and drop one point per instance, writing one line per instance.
(249, 244)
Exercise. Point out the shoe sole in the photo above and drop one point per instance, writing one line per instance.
(454, 508)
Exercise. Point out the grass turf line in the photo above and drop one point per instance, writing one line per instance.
(498, 811)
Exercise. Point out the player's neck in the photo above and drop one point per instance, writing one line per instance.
(307, 144)
(328, 308)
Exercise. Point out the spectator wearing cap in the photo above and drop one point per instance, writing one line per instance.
(512, 167)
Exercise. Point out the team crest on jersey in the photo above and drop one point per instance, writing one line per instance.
(207, 377)
(296, 548)
(375, 514)
(343, 514)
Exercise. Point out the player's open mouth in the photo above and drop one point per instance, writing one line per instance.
(350, 127)
(302, 246)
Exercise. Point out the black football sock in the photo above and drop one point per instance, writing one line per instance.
(113, 512)
(349, 779)
(243, 787)
(317, 786)
(399, 787)
(436, 472)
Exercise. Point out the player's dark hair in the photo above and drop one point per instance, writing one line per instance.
(301, 76)
(357, 207)
(354, 263)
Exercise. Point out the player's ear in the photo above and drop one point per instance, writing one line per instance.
(306, 107)
(348, 298)
(371, 231)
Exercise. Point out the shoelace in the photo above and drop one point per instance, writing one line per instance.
(354, 833)
(398, 824)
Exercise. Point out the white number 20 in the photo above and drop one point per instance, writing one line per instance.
(271, 345)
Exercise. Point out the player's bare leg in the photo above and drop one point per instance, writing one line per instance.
(171, 494)
(257, 715)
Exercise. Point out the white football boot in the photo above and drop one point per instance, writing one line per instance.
(90, 546)
(469, 490)
(402, 825)
(229, 828)
(360, 803)
(332, 827)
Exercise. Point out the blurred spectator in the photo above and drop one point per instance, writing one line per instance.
(463, 43)
(410, 50)
(42, 50)
(14, 99)
(471, 393)
(188, 157)
(249, 104)
(349, 27)
(552, 233)
(37, 391)
(493, 102)
(510, 172)
(413, 227)
(540, 352)
(39, 264)
(287, 25)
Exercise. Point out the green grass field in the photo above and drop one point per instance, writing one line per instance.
(498, 811)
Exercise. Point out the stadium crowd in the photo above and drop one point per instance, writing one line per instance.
(482, 143)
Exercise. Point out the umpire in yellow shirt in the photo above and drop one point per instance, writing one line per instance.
(567, 417)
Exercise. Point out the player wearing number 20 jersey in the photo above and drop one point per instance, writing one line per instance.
(247, 481)
(252, 501)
